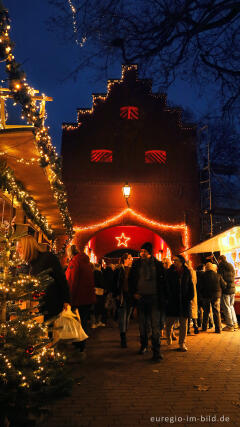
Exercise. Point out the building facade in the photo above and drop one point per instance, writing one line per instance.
(131, 135)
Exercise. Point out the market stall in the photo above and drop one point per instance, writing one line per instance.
(228, 244)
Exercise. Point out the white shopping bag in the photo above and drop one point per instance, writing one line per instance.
(68, 326)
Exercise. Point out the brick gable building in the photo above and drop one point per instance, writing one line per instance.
(132, 135)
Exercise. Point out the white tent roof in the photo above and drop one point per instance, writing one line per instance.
(223, 242)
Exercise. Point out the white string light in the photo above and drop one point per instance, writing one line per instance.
(74, 21)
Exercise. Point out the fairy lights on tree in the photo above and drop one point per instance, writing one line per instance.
(74, 22)
(31, 371)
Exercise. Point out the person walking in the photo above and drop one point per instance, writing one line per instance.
(228, 297)
(124, 299)
(57, 295)
(80, 278)
(200, 272)
(166, 264)
(100, 311)
(194, 302)
(147, 285)
(212, 287)
(180, 292)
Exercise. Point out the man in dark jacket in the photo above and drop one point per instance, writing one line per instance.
(212, 286)
(146, 284)
(228, 274)
(180, 292)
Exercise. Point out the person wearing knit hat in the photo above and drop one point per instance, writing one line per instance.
(147, 287)
(148, 247)
(180, 292)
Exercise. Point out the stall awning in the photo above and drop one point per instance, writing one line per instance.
(17, 144)
(223, 242)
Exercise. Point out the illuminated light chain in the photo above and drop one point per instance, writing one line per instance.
(26, 162)
(175, 227)
(112, 82)
(24, 197)
(23, 95)
(74, 21)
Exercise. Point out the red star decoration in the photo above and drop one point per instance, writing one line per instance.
(123, 240)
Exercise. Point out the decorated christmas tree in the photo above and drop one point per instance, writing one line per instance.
(32, 372)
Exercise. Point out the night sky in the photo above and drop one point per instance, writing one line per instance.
(47, 60)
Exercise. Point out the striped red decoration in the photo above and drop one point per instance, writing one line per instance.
(103, 156)
(155, 156)
(130, 113)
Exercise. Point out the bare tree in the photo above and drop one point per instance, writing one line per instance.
(194, 39)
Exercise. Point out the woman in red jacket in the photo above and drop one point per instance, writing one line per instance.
(80, 279)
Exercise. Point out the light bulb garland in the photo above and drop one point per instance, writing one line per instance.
(9, 183)
(98, 98)
(183, 228)
(27, 359)
(74, 22)
(23, 94)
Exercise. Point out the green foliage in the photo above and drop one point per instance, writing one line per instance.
(31, 371)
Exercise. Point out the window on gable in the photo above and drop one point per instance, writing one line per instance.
(155, 156)
(129, 112)
(103, 156)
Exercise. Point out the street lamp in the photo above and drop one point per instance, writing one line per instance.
(126, 189)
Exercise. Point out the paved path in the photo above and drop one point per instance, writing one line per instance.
(116, 387)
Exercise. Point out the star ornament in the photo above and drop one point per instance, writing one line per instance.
(123, 240)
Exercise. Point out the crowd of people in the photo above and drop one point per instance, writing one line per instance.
(163, 296)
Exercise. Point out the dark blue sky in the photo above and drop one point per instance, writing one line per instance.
(48, 60)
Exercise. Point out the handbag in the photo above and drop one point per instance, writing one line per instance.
(68, 326)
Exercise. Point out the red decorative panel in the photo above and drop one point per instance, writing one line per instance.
(104, 156)
(155, 156)
(131, 113)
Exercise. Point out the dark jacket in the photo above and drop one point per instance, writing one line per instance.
(108, 277)
(57, 292)
(180, 292)
(80, 278)
(119, 279)
(133, 280)
(212, 285)
(228, 274)
(98, 279)
(199, 285)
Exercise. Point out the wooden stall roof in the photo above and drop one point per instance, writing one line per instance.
(19, 143)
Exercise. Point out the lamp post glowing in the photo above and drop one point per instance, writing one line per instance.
(126, 192)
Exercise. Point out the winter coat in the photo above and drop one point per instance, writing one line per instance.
(180, 292)
(133, 280)
(119, 279)
(228, 274)
(98, 279)
(194, 301)
(80, 278)
(212, 285)
(108, 277)
(57, 293)
(200, 275)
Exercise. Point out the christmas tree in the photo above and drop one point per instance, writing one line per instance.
(32, 372)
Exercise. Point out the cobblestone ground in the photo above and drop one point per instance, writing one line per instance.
(118, 387)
